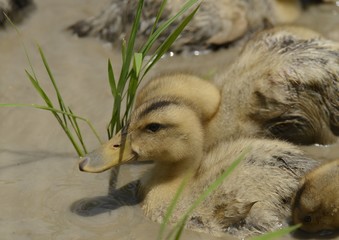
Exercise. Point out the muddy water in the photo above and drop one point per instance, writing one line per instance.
(43, 195)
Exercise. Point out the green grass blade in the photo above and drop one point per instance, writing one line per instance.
(38, 88)
(115, 123)
(132, 86)
(180, 230)
(117, 101)
(111, 79)
(276, 234)
(51, 77)
(42, 55)
(66, 116)
(55, 113)
(76, 129)
(130, 46)
(130, 57)
(159, 14)
(42, 93)
(23, 44)
(164, 47)
(74, 143)
(127, 53)
(147, 46)
(137, 63)
(123, 50)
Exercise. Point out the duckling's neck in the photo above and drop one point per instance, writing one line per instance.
(169, 176)
(228, 123)
(162, 183)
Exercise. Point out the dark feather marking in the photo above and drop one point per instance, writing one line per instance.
(155, 106)
(296, 202)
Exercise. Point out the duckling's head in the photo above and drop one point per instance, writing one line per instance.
(165, 130)
(167, 125)
(316, 204)
(307, 209)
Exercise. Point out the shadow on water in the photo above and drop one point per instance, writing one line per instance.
(124, 196)
(116, 198)
(326, 234)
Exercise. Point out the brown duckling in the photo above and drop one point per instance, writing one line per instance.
(216, 23)
(285, 85)
(16, 10)
(316, 204)
(170, 129)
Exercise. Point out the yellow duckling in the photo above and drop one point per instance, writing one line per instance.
(169, 127)
(316, 204)
(285, 85)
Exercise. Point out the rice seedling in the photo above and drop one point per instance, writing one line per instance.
(63, 113)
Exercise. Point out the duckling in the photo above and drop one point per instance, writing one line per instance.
(170, 129)
(217, 22)
(16, 10)
(285, 85)
(316, 204)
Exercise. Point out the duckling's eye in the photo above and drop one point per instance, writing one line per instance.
(307, 219)
(153, 127)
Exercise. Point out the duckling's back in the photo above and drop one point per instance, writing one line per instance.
(285, 85)
(257, 196)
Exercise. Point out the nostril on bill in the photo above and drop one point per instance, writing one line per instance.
(83, 163)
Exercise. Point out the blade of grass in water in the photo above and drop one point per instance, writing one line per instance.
(164, 47)
(158, 16)
(38, 88)
(133, 85)
(76, 128)
(138, 57)
(111, 79)
(36, 106)
(177, 230)
(66, 115)
(23, 44)
(151, 40)
(115, 119)
(62, 121)
(134, 74)
(51, 77)
(130, 45)
(127, 54)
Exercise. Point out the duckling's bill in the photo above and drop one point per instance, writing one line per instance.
(108, 155)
